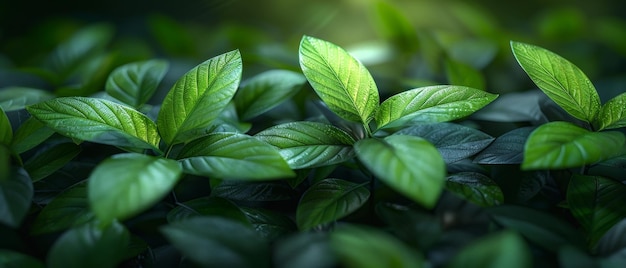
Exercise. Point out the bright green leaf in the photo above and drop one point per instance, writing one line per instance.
(431, 104)
(16, 98)
(198, 98)
(410, 165)
(341, 81)
(309, 144)
(97, 120)
(207, 206)
(560, 79)
(218, 242)
(266, 91)
(127, 184)
(6, 131)
(233, 156)
(134, 83)
(69, 209)
(597, 203)
(328, 201)
(367, 247)
(613, 113)
(31, 133)
(16, 194)
(50, 160)
(558, 145)
(13, 259)
(90, 246)
(503, 249)
(476, 188)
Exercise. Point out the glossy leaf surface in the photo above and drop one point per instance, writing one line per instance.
(134, 83)
(613, 113)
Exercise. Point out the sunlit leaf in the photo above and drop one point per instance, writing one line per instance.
(198, 98)
(341, 81)
(431, 104)
(328, 201)
(506, 149)
(597, 203)
(31, 133)
(16, 98)
(16, 193)
(476, 188)
(410, 165)
(134, 83)
(560, 79)
(50, 160)
(309, 144)
(217, 154)
(266, 91)
(503, 249)
(97, 120)
(558, 145)
(613, 113)
(127, 184)
(69, 209)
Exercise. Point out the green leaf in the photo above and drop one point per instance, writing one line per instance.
(454, 142)
(431, 104)
(207, 206)
(309, 144)
(218, 242)
(304, 250)
(97, 120)
(367, 247)
(340, 80)
(127, 184)
(50, 160)
(560, 79)
(506, 149)
(328, 201)
(476, 188)
(90, 246)
(69, 209)
(269, 224)
(6, 131)
(503, 249)
(254, 191)
(16, 98)
(216, 155)
(557, 145)
(31, 133)
(134, 83)
(410, 165)
(612, 114)
(459, 73)
(266, 91)
(16, 194)
(198, 98)
(597, 204)
(12, 259)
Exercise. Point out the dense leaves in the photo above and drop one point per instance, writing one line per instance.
(266, 91)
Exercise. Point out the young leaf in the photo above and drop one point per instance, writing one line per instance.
(410, 165)
(506, 149)
(90, 246)
(52, 159)
(31, 133)
(16, 98)
(127, 184)
(558, 145)
(560, 79)
(476, 188)
(612, 114)
(199, 97)
(503, 249)
(16, 192)
(328, 201)
(366, 247)
(98, 121)
(134, 83)
(431, 104)
(454, 142)
(218, 242)
(266, 91)
(6, 131)
(309, 144)
(597, 203)
(217, 154)
(67, 210)
(340, 80)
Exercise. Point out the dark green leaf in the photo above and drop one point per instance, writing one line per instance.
(12, 259)
(431, 104)
(328, 201)
(134, 83)
(506, 149)
(417, 228)
(461, 74)
(476, 188)
(16, 193)
(50, 160)
(409, 165)
(560, 79)
(218, 242)
(31, 133)
(597, 203)
(366, 247)
(90, 246)
(309, 144)
(254, 191)
(304, 250)
(513, 107)
(269, 224)
(127, 184)
(613, 240)
(503, 249)
(613, 113)
(69, 209)
(198, 98)
(5, 162)
(340, 80)
(266, 91)
(207, 206)
(216, 154)
(454, 142)
(558, 145)
(571, 257)
(16, 98)
(99, 121)
(6, 131)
